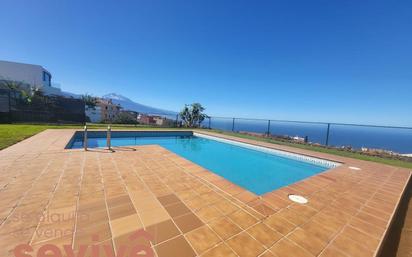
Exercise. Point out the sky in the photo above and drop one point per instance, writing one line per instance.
(333, 61)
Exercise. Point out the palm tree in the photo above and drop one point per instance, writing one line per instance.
(25, 91)
(192, 115)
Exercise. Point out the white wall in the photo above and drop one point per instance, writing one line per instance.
(94, 114)
(27, 73)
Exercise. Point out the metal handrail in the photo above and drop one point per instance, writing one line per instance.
(314, 122)
(85, 138)
(327, 124)
(109, 138)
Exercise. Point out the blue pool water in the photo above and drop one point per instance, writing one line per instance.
(253, 170)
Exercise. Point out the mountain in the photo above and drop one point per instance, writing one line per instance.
(128, 104)
(70, 95)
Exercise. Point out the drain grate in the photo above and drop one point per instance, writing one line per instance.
(298, 199)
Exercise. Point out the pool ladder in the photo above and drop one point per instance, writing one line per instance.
(108, 138)
(85, 138)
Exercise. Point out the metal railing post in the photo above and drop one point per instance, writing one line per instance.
(327, 135)
(233, 125)
(109, 132)
(85, 138)
(177, 119)
(268, 127)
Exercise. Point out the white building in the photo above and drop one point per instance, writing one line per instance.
(29, 74)
(94, 113)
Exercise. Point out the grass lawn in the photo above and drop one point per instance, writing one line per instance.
(13, 133)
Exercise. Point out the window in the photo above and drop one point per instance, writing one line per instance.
(46, 78)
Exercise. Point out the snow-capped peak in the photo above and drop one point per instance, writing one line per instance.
(128, 104)
(116, 97)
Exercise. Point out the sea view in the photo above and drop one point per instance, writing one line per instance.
(394, 139)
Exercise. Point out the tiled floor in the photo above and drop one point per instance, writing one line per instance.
(70, 197)
(405, 242)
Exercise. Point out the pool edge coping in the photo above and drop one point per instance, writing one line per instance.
(275, 151)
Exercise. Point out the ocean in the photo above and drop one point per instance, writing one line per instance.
(393, 139)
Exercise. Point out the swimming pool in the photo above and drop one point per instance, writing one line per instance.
(257, 169)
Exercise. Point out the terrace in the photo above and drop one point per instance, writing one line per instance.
(186, 209)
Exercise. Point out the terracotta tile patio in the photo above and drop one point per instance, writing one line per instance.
(50, 195)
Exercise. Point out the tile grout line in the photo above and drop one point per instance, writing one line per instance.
(150, 192)
(398, 202)
(25, 194)
(206, 224)
(171, 218)
(351, 218)
(78, 197)
(211, 185)
(128, 193)
(242, 230)
(102, 182)
(50, 199)
(300, 225)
